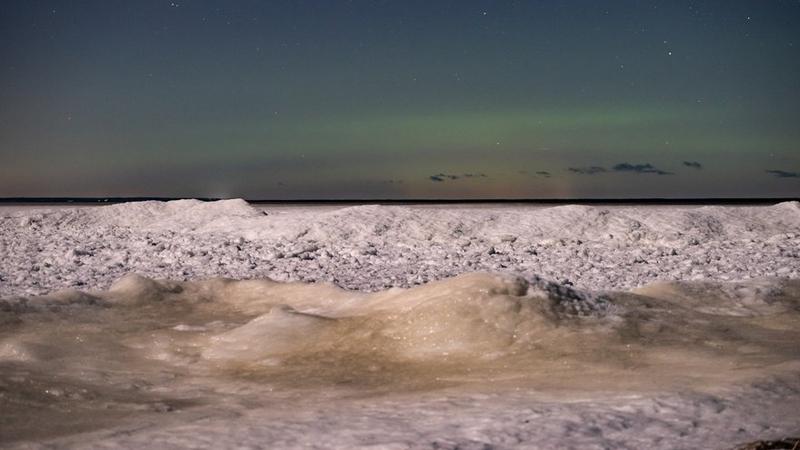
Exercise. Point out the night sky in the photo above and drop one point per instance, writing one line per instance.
(400, 99)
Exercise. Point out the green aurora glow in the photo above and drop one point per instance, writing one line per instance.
(292, 100)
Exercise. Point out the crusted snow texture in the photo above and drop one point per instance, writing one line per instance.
(373, 247)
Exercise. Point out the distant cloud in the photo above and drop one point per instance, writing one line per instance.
(541, 173)
(621, 167)
(783, 173)
(440, 177)
(640, 168)
(693, 164)
(587, 170)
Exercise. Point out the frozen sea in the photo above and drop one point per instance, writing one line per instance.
(188, 324)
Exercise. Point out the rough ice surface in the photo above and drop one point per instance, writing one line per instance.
(426, 327)
(375, 247)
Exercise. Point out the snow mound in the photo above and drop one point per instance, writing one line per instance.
(377, 223)
(175, 216)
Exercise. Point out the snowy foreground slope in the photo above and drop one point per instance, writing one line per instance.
(426, 327)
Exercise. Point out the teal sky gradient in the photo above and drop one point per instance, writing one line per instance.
(414, 99)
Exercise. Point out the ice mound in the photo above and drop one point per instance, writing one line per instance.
(281, 331)
(375, 222)
(372, 247)
(177, 215)
(174, 216)
(790, 206)
(467, 320)
(750, 298)
(143, 211)
(134, 288)
(146, 346)
(363, 223)
(570, 301)
(471, 316)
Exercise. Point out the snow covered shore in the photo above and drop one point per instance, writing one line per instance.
(375, 247)
(566, 327)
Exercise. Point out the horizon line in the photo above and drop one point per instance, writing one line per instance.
(652, 200)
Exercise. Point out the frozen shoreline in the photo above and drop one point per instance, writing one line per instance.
(375, 247)
(625, 329)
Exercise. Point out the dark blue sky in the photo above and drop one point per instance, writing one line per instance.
(400, 99)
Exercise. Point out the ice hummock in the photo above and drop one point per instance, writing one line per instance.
(373, 247)
(216, 346)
